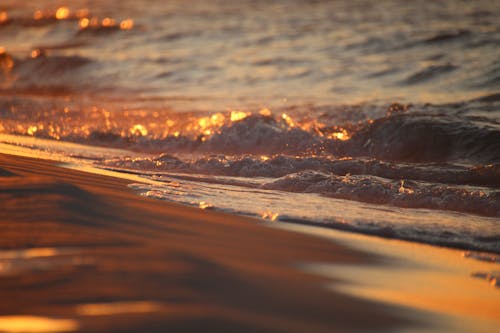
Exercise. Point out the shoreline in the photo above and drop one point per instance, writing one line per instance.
(85, 248)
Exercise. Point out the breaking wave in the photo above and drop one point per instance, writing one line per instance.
(427, 138)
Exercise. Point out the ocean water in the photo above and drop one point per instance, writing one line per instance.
(373, 117)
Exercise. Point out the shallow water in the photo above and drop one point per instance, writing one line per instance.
(377, 118)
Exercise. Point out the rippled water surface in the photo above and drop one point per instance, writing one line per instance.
(378, 117)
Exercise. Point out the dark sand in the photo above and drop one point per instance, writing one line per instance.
(106, 260)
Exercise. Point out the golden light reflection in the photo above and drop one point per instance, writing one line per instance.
(414, 275)
(38, 15)
(108, 22)
(6, 61)
(62, 13)
(238, 115)
(152, 124)
(84, 23)
(205, 205)
(29, 253)
(265, 112)
(107, 309)
(127, 24)
(32, 130)
(268, 215)
(342, 134)
(288, 120)
(403, 189)
(34, 324)
(3, 17)
(36, 53)
(138, 130)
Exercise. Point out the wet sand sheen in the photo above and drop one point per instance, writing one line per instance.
(84, 252)
(460, 290)
(124, 263)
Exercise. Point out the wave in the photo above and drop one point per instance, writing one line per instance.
(489, 77)
(420, 137)
(261, 135)
(42, 73)
(447, 36)
(429, 73)
(409, 186)
(411, 137)
(41, 64)
(443, 228)
(448, 238)
(282, 165)
(277, 61)
(491, 98)
(408, 194)
(173, 36)
(459, 133)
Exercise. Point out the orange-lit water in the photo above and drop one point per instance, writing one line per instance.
(378, 118)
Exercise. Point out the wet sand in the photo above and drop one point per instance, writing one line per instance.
(82, 252)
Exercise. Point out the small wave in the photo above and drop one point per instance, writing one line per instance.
(173, 36)
(254, 134)
(409, 194)
(429, 73)
(61, 46)
(384, 72)
(53, 64)
(489, 77)
(261, 135)
(437, 227)
(491, 98)
(43, 73)
(418, 137)
(282, 165)
(278, 61)
(372, 45)
(371, 181)
(447, 36)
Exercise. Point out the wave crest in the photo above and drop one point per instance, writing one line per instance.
(408, 194)
(426, 138)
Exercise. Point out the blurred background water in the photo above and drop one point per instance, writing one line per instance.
(229, 54)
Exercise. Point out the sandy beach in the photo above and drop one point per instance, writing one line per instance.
(82, 252)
